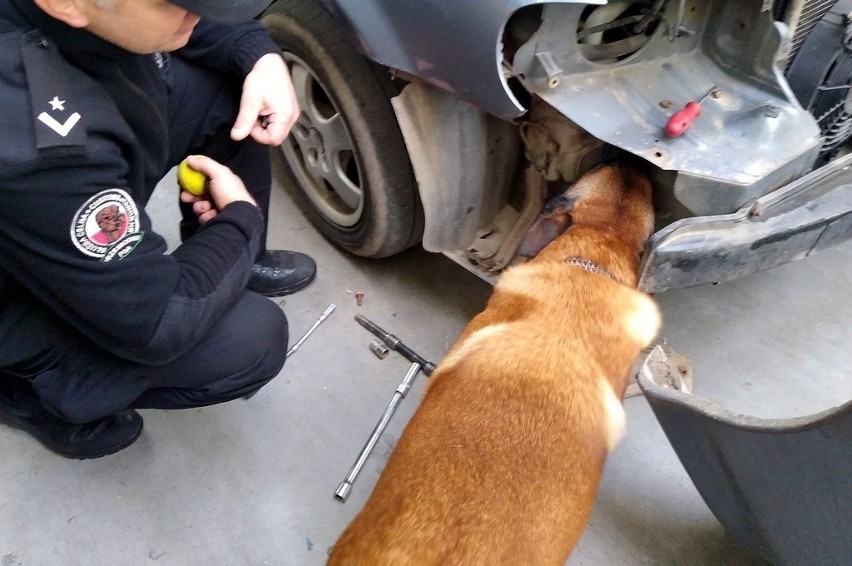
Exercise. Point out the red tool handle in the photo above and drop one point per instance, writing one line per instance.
(681, 120)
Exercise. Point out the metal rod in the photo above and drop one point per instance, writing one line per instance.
(342, 491)
(325, 314)
(396, 344)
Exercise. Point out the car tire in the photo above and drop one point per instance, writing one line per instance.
(345, 162)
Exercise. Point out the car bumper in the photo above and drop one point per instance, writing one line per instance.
(808, 215)
(792, 503)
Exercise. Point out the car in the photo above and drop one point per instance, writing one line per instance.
(451, 123)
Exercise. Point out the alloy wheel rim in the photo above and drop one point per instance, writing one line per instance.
(321, 152)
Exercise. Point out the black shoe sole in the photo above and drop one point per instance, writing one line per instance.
(36, 433)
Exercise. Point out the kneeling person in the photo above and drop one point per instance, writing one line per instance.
(103, 97)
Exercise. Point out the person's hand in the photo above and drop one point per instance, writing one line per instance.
(268, 98)
(223, 188)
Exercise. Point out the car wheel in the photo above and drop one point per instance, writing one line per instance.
(345, 161)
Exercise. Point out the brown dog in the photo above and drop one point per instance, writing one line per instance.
(501, 462)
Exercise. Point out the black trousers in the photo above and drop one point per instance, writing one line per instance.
(80, 382)
(202, 109)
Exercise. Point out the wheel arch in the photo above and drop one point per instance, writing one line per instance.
(456, 47)
(463, 159)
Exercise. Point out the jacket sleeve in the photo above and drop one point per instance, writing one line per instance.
(73, 230)
(235, 48)
(128, 296)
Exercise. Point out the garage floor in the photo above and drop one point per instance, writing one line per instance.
(251, 482)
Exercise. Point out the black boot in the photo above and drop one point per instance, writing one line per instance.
(21, 409)
(281, 272)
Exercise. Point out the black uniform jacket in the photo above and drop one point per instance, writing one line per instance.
(82, 145)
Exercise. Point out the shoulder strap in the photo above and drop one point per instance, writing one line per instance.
(52, 97)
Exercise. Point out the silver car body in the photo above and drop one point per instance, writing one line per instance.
(752, 144)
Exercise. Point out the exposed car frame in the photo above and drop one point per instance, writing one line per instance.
(499, 102)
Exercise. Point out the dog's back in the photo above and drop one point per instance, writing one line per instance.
(501, 462)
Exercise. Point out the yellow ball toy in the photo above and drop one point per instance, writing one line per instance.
(190, 180)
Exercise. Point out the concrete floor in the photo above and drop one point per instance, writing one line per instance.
(251, 482)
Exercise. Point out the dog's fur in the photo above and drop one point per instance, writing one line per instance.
(501, 462)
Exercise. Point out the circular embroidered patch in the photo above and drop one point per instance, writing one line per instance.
(109, 221)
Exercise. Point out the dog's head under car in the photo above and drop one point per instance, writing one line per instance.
(607, 216)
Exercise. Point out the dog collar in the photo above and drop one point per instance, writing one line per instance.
(590, 266)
